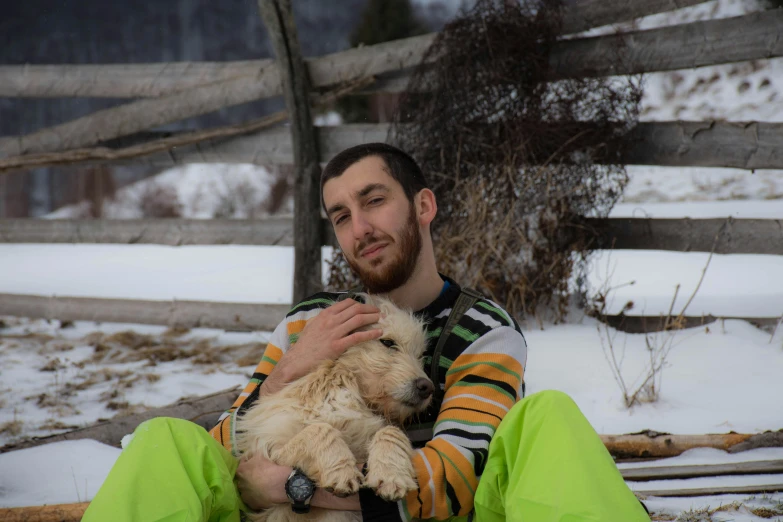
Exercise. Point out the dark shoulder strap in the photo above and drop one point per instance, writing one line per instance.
(352, 293)
(467, 298)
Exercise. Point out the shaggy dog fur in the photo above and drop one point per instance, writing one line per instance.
(345, 412)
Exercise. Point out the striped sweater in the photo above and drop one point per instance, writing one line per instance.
(481, 371)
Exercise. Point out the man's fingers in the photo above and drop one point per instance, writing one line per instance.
(360, 337)
(356, 322)
(340, 306)
(356, 309)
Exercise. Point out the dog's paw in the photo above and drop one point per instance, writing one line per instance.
(390, 486)
(343, 481)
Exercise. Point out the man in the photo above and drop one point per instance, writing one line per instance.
(543, 463)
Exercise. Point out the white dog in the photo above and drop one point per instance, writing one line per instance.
(344, 413)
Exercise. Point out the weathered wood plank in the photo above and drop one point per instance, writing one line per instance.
(278, 18)
(735, 236)
(706, 470)
(636, 324)
(744, 145)
(723, 236)
(49, 513)
(204, 411)
(226, 316)
(717, 490)
(273, 231)
(144, 114)
(749, 37)
(162, 79)
(186, 314)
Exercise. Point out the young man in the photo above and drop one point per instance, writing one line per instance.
(542, 463)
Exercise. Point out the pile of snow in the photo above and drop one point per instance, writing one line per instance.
(196, 191)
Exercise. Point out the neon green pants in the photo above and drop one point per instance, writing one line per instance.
(545, 464)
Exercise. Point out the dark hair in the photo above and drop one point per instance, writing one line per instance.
(400, 166)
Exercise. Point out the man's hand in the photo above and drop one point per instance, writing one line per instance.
(326, 336)
(261, 482)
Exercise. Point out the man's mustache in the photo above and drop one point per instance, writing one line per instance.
(364, 244)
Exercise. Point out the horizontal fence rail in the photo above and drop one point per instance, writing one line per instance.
(743, 145)
(185, 314)
(272, 231)
(749, 37)
(704, 470)
(722, 236)
(160, 79)
(233, 316)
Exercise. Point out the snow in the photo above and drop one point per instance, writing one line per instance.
(717, 378)
(63, 468)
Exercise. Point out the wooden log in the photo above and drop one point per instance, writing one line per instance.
(637, 324)
(735, 236)
(651, 444)
(768, 439)
(711, 42)
(265, 82)
(50, 513)
(744, 145)
(162, 79)
(704, 470)
(684, 46)
(186, 314)
(271, 231)
(697, 44)
(204, 411)
(164, 143)
(716, 490)
(724, 236)
(278, 18)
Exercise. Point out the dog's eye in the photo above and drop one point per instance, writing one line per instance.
(388, 343)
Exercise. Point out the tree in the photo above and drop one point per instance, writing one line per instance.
(381, 21)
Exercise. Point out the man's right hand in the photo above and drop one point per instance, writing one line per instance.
(326, 336)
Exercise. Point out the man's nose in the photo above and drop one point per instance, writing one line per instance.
(361, 227)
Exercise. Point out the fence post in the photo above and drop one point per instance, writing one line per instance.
(279, 20)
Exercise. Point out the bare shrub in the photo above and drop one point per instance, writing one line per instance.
(516, 160)
(280, 190)
(646, 386)
(237, 199)
(158, 200)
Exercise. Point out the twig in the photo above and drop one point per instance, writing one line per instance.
(106, 154)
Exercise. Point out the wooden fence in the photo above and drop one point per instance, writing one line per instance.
(167, 93)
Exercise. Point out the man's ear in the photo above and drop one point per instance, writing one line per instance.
(426, 206)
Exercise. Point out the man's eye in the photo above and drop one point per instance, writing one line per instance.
(373, 201)
(339, 220)
(388, 343)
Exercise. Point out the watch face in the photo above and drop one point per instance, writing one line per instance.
(300, 487)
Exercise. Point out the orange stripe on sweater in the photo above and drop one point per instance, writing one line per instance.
(295, 327)
(452, 410)
(271, 352)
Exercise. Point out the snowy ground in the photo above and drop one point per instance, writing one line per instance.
(718, 378)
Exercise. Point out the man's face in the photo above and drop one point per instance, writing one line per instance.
(375, 224)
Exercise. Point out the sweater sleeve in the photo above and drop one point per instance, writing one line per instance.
(224, 431)
(482, 385)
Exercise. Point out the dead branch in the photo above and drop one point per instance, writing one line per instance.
(52, 513)
(651, 444)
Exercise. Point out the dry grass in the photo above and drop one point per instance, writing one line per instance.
(13, 427)
(158, 200)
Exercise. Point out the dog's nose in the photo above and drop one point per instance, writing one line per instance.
(424, 386)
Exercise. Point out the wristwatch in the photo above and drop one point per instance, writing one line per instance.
(300, 490)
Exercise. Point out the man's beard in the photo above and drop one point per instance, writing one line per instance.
(399, 269)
